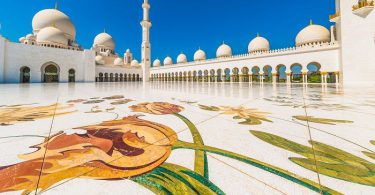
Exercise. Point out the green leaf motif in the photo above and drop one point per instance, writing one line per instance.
(209, 108)
(330, 161)
(325, 121)
(175, 179)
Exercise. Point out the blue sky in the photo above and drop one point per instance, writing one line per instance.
(178, 25)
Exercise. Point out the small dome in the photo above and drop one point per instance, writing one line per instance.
(199, 55)
(51, 35)
(22, 39)
(224, 51)
(104, 40)
(99, 60)
(134, 63)
(156, 63)
(48, 17)
(181, 58)
(30, 37)
(313, 34)
(128, 51)
(168, 61)
(118, 62)
(259, 44)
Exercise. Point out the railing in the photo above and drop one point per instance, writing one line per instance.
(308, 47)
(364, 3)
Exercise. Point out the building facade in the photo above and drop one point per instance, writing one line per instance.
(50, 53)
(320, 55)
(338, 54)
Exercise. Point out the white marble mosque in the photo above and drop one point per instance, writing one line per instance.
(337, 54)
(208, 126)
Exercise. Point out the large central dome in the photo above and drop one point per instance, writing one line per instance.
(56, 18)
(51, 35)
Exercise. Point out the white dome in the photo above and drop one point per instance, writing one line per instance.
(51, 35)
(134, 63)
(22, 39)
(99, 60)
(156, 63)
(224, 51)
(181, 58)
(104, 40)
(168, 61)
(118, 62)
(313, 34)
(199, 55)
(259, 44)
(49, 17)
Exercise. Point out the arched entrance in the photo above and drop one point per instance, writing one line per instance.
(267, 72)
(245, 74)
(212, 75)
(101, 79)
(25, 75)
(256, 72)
(296, 73)
(235, 76)
(205, 77)
(72, 76)
(313, 74)
(116, 77)
(219, 75)
(227, 75)
(106, 77)
(281, 73)
(51, 73)
(200, 76)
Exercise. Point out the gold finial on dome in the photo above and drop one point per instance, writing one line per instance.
(56, 5)
(311, 22)
(258, 35)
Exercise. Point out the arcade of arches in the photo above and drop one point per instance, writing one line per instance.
(296, 74)
(116, 77)
(50, 73)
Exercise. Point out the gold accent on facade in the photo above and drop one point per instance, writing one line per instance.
(333, 16)
(365, 3)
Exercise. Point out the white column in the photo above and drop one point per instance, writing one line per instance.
(304, 77)
(288, 77)
(261, 78)
(274, 78)
(146, 46)
(2, 59)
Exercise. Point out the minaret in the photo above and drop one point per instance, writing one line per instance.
(146, 46)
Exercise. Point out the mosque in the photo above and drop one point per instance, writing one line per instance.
(50, 54)
(343, 53)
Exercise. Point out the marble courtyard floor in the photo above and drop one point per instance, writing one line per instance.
(186, 138)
